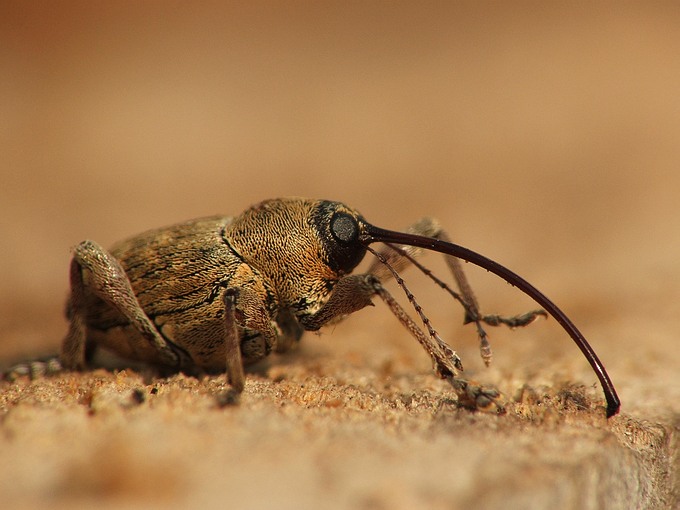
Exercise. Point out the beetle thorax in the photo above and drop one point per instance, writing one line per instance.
(279, 240)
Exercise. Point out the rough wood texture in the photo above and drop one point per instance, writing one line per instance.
(544, 137)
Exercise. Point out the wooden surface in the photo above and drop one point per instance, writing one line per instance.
(543, 137)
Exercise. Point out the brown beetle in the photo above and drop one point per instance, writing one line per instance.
(220, 292)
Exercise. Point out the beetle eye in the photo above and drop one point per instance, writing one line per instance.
(344, 227)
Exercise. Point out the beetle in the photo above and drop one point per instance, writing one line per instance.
(217, 293)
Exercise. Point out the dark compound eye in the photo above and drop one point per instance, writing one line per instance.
(344, 227)
(339, 231)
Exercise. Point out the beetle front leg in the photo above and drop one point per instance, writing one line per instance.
(350, 294)
(400, 257)
(354, 292)
(446, 362)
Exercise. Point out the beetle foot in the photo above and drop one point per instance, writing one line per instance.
(227, 398)
(33, 369)
(476, 397)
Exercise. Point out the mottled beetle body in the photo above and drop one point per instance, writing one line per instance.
(178, 275)
(175, 274)
(216, 293)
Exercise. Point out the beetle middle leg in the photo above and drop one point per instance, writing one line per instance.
(400, 257)
(250, 335)
(245, 311)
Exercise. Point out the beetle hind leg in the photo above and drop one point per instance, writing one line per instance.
(97, 275)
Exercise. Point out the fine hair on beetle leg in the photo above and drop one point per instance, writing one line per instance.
(472, 313)
(446, 361)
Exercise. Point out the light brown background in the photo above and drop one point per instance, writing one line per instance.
(546, 137)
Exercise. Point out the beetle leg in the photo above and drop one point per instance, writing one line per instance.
(400, 257)
(350, 294)
(250, 313)
(290, 330)
(446, 362)
(33, 369)
(232, 341)
(354, 292)
(96, 273)
(245, 311)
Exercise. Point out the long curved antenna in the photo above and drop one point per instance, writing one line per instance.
(371, 234)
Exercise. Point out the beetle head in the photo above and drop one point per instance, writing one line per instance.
(339, 229)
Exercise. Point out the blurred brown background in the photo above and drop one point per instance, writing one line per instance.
(545, 136)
